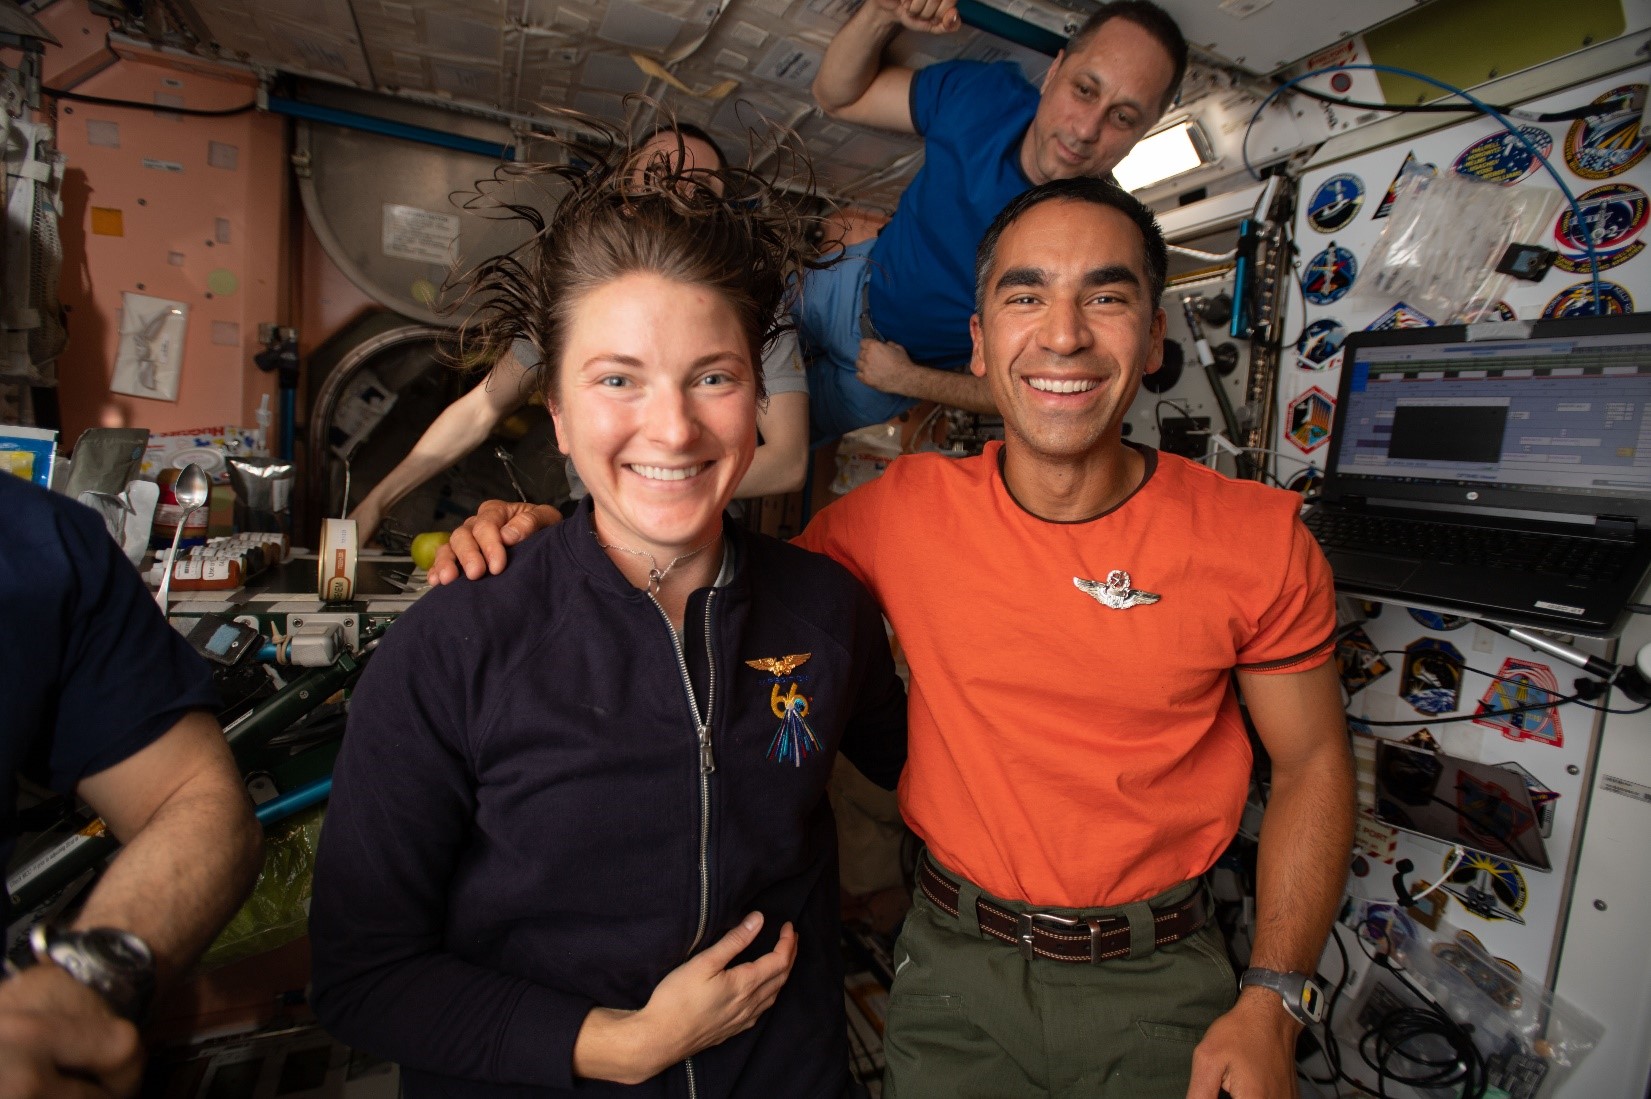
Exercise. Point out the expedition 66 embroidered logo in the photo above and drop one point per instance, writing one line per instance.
(794, 740)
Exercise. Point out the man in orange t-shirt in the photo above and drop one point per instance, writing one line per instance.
(1077, 613)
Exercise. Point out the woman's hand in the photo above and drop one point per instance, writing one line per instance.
(699, 1004)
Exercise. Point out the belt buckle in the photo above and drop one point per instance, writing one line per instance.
(1026, 922)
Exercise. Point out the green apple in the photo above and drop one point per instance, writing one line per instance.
(426, 545)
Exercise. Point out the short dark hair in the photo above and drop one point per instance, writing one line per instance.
(686, 129)
(1149, 17)
(1097, 192)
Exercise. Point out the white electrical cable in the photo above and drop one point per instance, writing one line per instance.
(1461, 854)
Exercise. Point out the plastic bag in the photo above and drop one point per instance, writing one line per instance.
(279, 909)
(1524, 1031)
(864, 454)
(1439, 249)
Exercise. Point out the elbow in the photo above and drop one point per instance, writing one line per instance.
(826, 101)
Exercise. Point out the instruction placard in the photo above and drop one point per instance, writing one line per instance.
(422, 235)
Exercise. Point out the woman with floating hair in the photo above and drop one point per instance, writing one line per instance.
(579, 839)
(781, 461)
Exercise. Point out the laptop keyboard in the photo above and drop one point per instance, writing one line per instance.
(1592, 559)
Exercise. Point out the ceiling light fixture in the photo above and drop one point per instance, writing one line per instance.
(1170, 152)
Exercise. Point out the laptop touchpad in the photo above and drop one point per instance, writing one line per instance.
(1363, 570)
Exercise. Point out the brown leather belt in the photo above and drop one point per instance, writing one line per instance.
(1062, 938)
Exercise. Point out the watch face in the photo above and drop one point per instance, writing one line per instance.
(119, 951)
(1312, 1001)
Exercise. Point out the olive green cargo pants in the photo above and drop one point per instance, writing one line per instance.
(970, 1018)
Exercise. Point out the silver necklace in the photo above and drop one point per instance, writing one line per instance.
(656, 575)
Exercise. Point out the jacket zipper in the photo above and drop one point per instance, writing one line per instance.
(707, 764)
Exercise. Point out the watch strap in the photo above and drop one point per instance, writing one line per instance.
(115, 964)
(1300, 992)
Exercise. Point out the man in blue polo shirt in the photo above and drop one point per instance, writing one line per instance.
(890, 324)
(103, 700)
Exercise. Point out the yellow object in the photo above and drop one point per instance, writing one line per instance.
(18, 462)
(719, 90)
(223, 282)
(108, 222)
(425, 547)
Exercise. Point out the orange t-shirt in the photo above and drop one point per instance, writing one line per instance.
(1063, 752)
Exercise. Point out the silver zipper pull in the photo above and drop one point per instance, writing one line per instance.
(707, 761)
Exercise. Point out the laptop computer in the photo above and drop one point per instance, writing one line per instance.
(1502, 470)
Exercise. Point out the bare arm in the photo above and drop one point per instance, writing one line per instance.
(781, 462)
(887, 367)
(854, 84)
(1306, 837)
(191, 854)
(192, 847)
(461, 427)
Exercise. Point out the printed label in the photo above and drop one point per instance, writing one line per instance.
(422, 235)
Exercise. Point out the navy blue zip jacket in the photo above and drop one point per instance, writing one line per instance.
(527, 820)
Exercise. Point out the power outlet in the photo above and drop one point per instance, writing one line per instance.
(1188, 437)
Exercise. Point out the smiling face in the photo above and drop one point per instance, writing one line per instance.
(656, 405)
(1097, 103)
(1067, 329)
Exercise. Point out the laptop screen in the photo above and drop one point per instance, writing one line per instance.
(1550, 414)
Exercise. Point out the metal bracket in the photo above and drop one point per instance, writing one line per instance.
(349, 623)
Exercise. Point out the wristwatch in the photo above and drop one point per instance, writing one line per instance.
(1302, 996)
(116, 964)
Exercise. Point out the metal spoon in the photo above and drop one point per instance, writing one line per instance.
(192, 489)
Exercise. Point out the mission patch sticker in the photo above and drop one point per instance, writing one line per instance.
(1433, 620)
(1358, 661)
(1611, 142)
(1400, 316)
(1488, 887)
(1329, 275)
(1431, 677)
(1502, 157)
(1612, 216)
(1578, 301)
(1521, 684)
(1311, 415)
(1411, 166)
(1335, 203)
(1320, 344)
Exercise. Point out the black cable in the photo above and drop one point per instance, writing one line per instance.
(1465, 717)
(1640, 608)
(1158, 413)
(1590, 110)
(139, 105)
(1379, 1045)
(1556, 700)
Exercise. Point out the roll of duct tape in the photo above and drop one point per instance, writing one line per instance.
(336, 583)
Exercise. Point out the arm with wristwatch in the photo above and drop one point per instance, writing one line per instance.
(68, 1022)
(1301, 868)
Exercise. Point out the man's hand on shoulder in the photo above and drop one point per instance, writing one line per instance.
(479, 546)
(58, 1038)
(1249, 1052)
